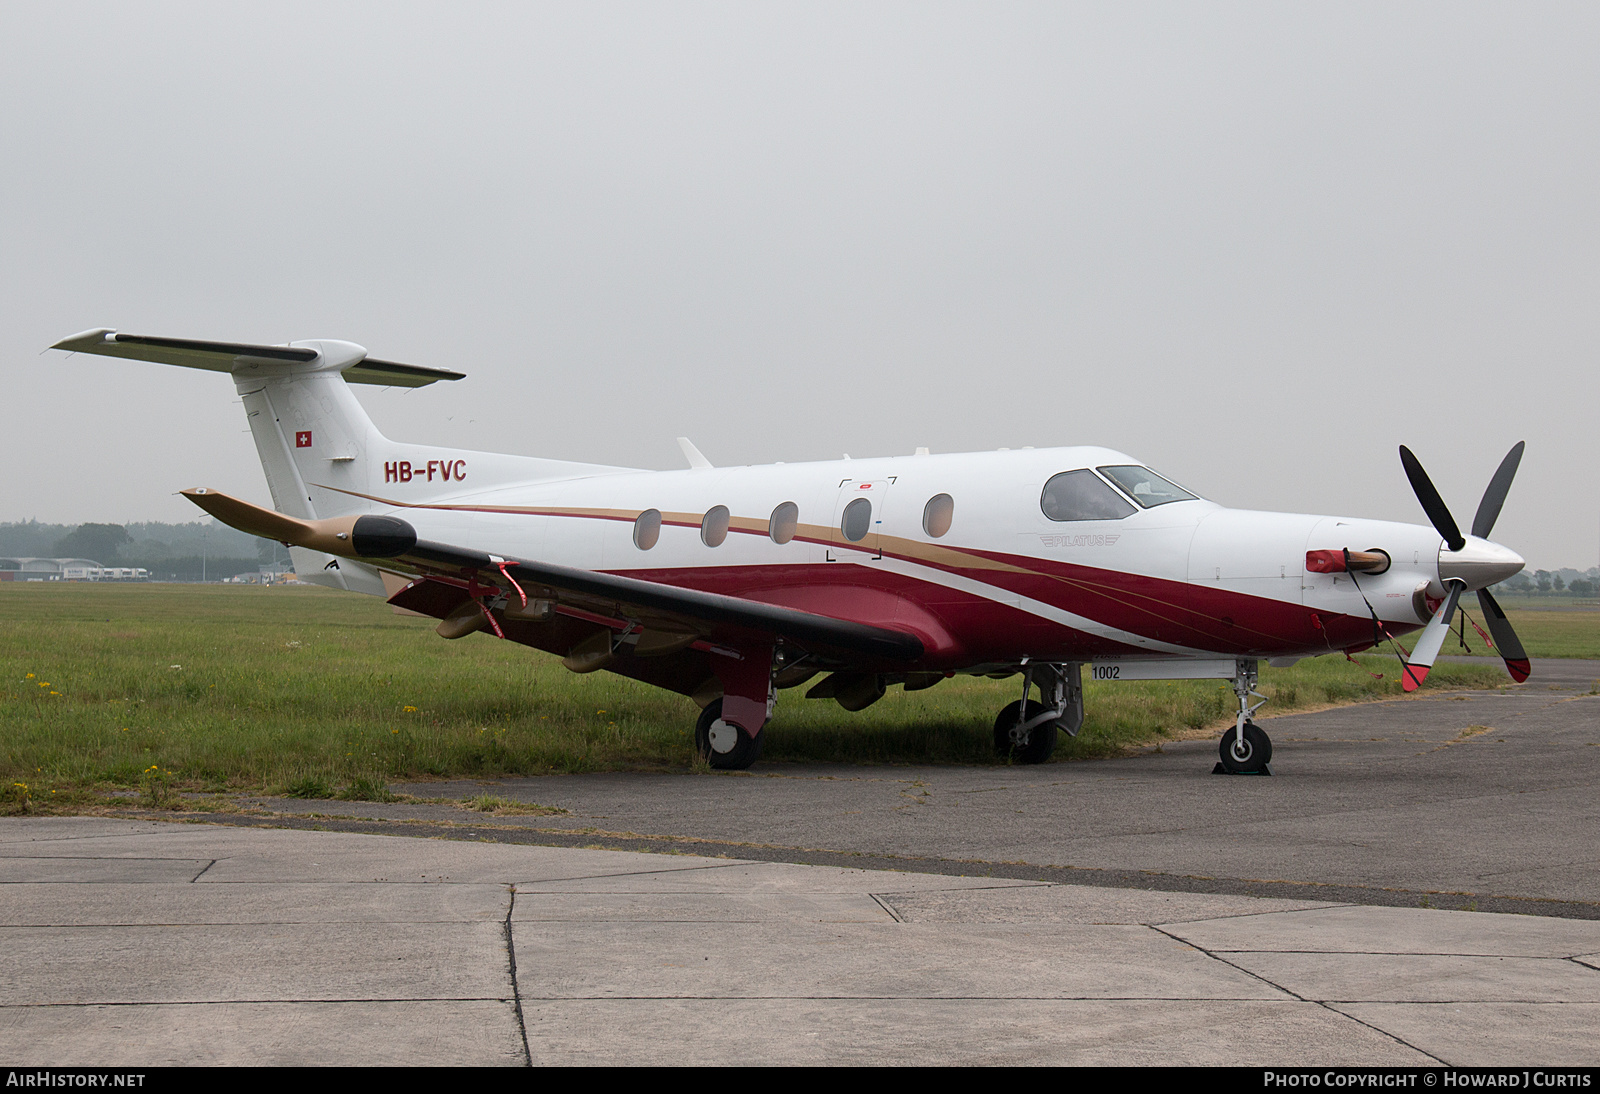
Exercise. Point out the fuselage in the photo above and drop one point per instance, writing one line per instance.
(960, 549)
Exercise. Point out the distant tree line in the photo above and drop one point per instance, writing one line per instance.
(171, 552)
(1570, 583)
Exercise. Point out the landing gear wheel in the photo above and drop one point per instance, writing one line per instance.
(724, 745)
(1031, 746)
(1247, 756)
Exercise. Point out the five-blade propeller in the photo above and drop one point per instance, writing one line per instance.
(1505, 638)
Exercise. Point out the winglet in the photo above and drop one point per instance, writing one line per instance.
(692, 454)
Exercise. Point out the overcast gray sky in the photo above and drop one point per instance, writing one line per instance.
(1256, 245)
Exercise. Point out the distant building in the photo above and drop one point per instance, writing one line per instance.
(262, 577)
(67, 569)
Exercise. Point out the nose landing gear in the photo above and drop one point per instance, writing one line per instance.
(1245, 754)
(1245, 749)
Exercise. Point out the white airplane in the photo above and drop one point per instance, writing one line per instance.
(726, 584)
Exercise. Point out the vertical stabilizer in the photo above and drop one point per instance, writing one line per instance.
(314, 438)
(315, 441)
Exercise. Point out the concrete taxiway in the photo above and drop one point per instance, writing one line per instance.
(134, 944)
(1128, 911)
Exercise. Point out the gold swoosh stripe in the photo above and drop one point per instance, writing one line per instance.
(906, 550)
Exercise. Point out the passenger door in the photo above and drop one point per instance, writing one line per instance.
(858, 513)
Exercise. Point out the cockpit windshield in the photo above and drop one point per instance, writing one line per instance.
(1145, 486)
(1079, 495)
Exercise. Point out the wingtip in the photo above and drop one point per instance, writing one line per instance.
(84, 338)
(211, 501)
(1413, 676)
(1519, 669)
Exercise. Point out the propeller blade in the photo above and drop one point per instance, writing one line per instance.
(1506, 642)
(1495, 496)
(1432, 640)
(1432, 503)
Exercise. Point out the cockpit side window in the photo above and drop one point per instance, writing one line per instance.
(1145, 486)
(1080, 495)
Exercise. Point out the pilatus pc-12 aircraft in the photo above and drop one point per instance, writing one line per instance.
(726, 584)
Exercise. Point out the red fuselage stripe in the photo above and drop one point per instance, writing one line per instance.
(1180, 613)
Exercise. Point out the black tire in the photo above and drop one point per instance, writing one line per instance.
(1040, 741)
(1252, 756)
(744, 751)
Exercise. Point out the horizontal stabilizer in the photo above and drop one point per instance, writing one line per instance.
(229, 356)
(393, 374)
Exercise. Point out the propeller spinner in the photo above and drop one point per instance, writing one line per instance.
(1467, 563)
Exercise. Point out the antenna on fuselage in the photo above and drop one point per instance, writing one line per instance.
(697, 461)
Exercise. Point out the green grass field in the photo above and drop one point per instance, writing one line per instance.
(217, 688)
(1569, 632)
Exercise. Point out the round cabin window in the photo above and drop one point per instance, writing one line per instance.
(714, 526)
(857, 521)
(647, 529)
(784, 523)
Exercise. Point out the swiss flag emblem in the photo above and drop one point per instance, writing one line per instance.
(303, 439)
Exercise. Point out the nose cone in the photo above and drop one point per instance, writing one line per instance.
(1479, 563)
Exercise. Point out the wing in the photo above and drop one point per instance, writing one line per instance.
(523, 590)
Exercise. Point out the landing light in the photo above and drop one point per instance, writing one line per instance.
(1374, 560)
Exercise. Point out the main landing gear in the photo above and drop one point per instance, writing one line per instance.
(1026, 731)
(722, 744)
(1245, 749)
(727, 735)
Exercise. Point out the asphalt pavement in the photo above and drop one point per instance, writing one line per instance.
(1472, 798)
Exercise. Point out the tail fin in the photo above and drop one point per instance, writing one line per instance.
(317, 444)
(314, 438)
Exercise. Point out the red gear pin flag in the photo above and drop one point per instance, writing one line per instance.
(302, 439)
